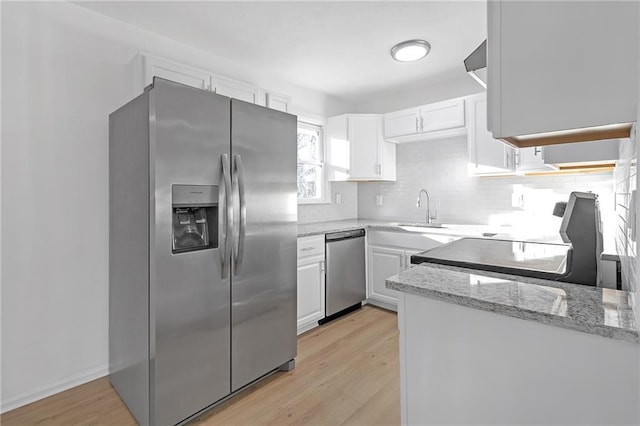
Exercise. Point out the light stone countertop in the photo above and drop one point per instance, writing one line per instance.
(461, 230)
(603, 312)
(319, 228)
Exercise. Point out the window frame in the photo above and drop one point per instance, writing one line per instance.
(325, 189)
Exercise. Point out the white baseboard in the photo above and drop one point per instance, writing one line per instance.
(385, 305)
(307, 326)
(54, 388)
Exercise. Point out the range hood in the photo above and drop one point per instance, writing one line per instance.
(476, 64)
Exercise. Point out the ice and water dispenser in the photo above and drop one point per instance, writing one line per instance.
(195, 217)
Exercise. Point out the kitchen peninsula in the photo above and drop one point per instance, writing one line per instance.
(480, 347)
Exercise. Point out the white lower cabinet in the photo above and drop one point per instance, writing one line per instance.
(383, 263)
(310, 282)
(389, 253)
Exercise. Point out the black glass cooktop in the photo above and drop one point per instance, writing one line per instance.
(524, 258)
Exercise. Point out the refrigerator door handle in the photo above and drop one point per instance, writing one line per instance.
(228, 216)
(239, 254)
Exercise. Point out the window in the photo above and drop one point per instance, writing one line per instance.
(310, 163)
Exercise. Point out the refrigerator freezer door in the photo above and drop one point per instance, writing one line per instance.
(264, 287)
(190, 302)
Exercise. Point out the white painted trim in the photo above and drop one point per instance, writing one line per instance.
(54, 388)
(315, 119)
(309, 325)
(373, 300)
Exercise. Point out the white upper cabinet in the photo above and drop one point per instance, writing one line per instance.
(278, 101)
(532, 160)
(163, 68)
(557, 66)
(402, 123)
(486, 154)
(555, 157)
(146, 66)
(437, 120)
(364, 136)
(357, 150)
(442, 116)
(583, 152)
(236, 89)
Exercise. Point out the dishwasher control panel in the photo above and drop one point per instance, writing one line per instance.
(336, 236)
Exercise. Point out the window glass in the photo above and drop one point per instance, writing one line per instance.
(310, 162)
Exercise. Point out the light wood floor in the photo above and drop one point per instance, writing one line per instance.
(347, 372)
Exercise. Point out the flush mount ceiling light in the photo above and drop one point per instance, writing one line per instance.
(410, 50)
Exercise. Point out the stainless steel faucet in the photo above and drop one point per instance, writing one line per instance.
(419, 203)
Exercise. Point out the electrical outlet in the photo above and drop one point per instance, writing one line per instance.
(338, 198)
(378, 200)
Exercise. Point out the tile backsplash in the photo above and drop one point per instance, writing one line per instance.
(626, 177)
(440, 166)
(347, 209)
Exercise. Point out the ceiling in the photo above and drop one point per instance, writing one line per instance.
(338, 48)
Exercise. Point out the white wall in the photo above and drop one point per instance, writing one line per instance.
(64, 69)
(461, 84)
(348, 209)
(440, 166)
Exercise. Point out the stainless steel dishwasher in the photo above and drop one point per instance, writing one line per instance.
(345, 281)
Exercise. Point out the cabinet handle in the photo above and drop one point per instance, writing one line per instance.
(506, 159)
(417, 124)
(379, 168)
(307, 248)
(421, 122)
(537, 150)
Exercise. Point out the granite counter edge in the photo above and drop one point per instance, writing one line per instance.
(519, 313)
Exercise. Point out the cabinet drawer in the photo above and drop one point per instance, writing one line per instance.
(311, 246)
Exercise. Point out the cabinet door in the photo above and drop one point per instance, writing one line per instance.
(383, 263)
(236, 89)
(442, 115)
(338, 148)
(401, 123)
(582, 152)
(531, 159)
(486, 154)
(310, 292)
(278, 101)
(158, 67)
(561, 87)
(364, 138)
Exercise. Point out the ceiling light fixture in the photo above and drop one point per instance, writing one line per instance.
(410, 50)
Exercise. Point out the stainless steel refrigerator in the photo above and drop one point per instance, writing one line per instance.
(202, 249)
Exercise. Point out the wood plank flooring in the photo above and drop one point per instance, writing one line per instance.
(347, 373)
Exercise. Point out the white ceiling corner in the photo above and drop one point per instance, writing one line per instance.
(338, 48)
